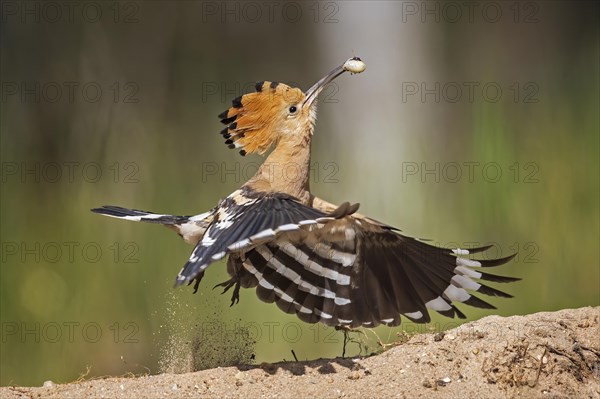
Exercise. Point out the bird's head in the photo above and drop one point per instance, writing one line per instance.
(276, 111)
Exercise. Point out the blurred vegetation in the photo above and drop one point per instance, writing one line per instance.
(152, 136)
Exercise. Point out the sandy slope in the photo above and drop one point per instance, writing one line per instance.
(549, 355)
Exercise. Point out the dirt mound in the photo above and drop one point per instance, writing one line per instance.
(550, 355)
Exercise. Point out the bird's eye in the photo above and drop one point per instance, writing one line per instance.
(293, 109)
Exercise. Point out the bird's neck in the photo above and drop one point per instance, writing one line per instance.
(286, 170)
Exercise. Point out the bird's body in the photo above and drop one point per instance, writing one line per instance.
(323, 262)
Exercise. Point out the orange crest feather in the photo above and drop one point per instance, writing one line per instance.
(252, 121)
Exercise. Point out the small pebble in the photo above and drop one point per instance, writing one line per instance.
(444, 381)
(48, 384)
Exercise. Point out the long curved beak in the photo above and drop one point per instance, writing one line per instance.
(353, 65)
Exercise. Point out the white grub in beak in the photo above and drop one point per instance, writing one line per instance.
(352, 65)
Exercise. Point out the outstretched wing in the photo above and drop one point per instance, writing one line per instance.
(243, 221)
(352, 272)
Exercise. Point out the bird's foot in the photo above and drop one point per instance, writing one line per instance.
(196, 280)
(235, 297)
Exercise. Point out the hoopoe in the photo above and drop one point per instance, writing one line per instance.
(323, 262)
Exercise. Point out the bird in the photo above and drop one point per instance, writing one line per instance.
(323, 262)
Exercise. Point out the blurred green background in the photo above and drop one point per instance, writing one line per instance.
(471, 124)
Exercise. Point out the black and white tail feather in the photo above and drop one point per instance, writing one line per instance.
(190, 228)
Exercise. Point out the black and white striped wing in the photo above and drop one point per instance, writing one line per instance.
(242, 222)
(350, 272)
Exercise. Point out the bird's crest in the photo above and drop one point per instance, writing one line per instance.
(254, 118)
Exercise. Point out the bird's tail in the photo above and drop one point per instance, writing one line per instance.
(190, 228)
(140, 216)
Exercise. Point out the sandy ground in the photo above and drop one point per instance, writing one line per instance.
(544, 355)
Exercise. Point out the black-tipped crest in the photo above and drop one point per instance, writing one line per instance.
(253, 117)
(237, 102)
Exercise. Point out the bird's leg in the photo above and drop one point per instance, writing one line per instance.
(197, 280)
(227, 284)
(234, 280)
(235, 297)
